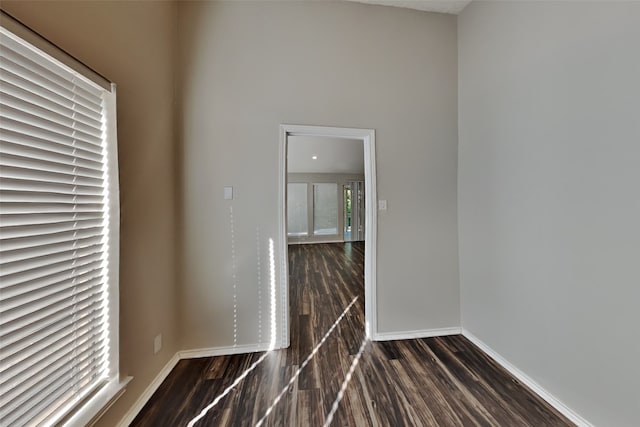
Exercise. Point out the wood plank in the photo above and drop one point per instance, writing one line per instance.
(445, 381)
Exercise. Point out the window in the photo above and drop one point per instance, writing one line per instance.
(58, 236)
(297, 210)
(325, 209)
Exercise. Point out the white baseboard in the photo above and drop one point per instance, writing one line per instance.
(529, 382)
(384, 336)
(166, 370)
(223, 351)
(410, 335)
(311, 242)
(148, 392)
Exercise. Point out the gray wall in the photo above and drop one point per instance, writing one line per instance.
(549, 196)
(245, 68)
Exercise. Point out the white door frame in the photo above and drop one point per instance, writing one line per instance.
(367, 136)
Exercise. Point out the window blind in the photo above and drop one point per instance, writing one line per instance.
(55, 335)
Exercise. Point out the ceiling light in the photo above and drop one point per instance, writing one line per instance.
(314, 157)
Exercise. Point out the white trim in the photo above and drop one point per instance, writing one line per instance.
(411, 335)
(311, 242)
(371, 210)
(282, 244)
(148, 392)
(528, 381)
(113, 188)
(384, 336)
(133, 412)
(370, 234)
(92, 410)
(223, 351)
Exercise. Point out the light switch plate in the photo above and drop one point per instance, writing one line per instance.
(157, 344)
(228, 193)
(382, 205)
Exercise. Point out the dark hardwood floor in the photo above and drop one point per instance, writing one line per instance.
(444, 381)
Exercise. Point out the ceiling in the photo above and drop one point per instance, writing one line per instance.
(333, 155)
(442, 6)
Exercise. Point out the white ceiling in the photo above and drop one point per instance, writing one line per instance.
(442, 6)
(334, 155)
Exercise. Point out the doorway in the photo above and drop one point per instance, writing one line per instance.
(369, 222)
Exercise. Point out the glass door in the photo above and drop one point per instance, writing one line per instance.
(347, 213)
(354, 211)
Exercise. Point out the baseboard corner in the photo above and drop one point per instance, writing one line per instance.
(528, 381)
(223, 351)
(410, 335)
(134, 410)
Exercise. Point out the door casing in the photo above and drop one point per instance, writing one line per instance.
(368, 138)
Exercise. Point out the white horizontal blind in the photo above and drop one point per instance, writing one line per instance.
(54, 231)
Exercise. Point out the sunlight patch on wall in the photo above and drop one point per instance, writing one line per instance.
(272, 296)
(259, 280)
(234, 278)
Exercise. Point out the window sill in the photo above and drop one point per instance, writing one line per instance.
(95, 407)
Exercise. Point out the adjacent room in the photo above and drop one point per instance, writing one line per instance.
(319, 212)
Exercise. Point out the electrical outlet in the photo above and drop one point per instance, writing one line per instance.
(157, 344)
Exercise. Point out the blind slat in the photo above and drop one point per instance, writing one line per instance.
(41, 76)
(50, 101)
(26, 174)
(23, 388)
(55, 187)
(48, 166)
(26, 347)
(39, 130)
(43, 64)
(61, 117)
(40, 361)
(20, 127)
(27, 264)
(45, 300)
(77, 264)
(44, 218)
(60, 335)
(47, 93)
(24, 208)
(55, 128)
(36, 231)
(39, 308)
(47, 125)
(49, 155)
(63, 276)
(20, 197)
(58, 384)
(72, 148)
(47, 234)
